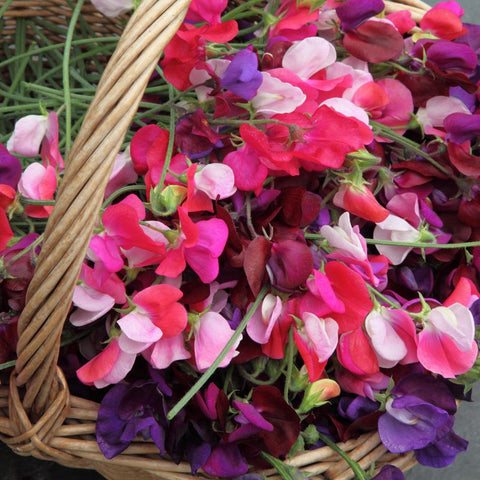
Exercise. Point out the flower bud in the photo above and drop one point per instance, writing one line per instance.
(318, 393)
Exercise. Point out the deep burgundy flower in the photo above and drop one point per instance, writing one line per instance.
(353, 13)
(194, 136)
(128, 410)
(242, 76)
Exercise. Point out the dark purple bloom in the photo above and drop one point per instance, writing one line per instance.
(225, 461)
(194, 136)
(419, 416)
(242, 76)
(10, 168)
(450, 56)
(417, 279)
(353, 408)
(475, 309)
(389, 472)
(127, 410)
(353, 13)
(461, 127)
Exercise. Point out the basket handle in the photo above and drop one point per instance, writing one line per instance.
(79, 199)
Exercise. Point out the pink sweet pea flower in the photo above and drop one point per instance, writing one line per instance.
(7, 196)
(396, 229)
(112, 8)
(108, 367)
(308, 56)
(356, 354)
(217, 180)
(28, 135)
(392, 335)
(166, 351)
(38, 183)
(157, 314)
(446, 345)
(207, 11)
(443, 20)
(316, 342)
(34, 131)
(211, 333)
(123, 173)
(275, 96)
(260, 326)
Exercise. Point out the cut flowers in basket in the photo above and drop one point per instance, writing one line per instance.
(288, 253)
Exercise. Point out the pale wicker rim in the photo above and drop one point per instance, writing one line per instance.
(38, 415)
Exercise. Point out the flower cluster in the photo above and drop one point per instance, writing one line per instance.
(295, 255)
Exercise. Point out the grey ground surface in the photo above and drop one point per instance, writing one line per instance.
(466, 467)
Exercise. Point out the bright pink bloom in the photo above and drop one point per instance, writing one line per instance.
(197, 200)
(443, 20)
(356, 354)
(7, 196)
(38, 183)
(212, 332)
(209, 11)
(49, 152)
(402, 20)
(110, 366)
(316, 342)
(295, 21)
(392, 335)
(446, 345)
(360, 201)
(363, 385)
(157, 315)
(465, 292)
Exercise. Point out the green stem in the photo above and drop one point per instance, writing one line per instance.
(211, 370)
(171, 141)
(21, 253)
(121, 191)
(357, 470)
(9, 364)
(66, 76)
(387, 132)
(382, 297)
(5, 7)
(232, 14)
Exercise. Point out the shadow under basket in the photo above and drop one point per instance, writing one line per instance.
(38, 415)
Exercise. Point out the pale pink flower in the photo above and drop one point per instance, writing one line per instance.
(308, 56)
(123, 173)
(436, 110)
(90, 305)
(200, 76)
(446, 345)
(28, 135)
(216, 180)
(112, 8)
(345, 239)
(398, 230)
(392, 334)
(275, 96)
(347, 108)
(166, 351)
(260, 326)
(212, 332)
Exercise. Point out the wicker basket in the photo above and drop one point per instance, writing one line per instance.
(38, 416)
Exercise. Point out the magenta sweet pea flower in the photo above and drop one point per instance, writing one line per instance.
(353, 13)
(10, 168)
(462, 127)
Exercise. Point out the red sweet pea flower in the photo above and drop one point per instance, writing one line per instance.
(443, 23)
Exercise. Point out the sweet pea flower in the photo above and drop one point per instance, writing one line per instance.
(274, 96)
(309, 56)
(38, 183)
(10, 168)
(419, 416)
(112, 8)
(28, 135)
(443, 20)
(353, 13)
(398, 230)
(446, 345)
(123, 173)
(392, 335)
(157, 314)
(165, 351)
(211, 334)
(108, 367)
(260, 326)
(217, 180)
(316, 342)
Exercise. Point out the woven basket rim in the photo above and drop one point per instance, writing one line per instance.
(38, 389)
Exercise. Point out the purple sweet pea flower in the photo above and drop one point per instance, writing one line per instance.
(353, 13)
(389, 472)
(242, 76)
(450, 56)
(419, 416)
(127, 410)
(10, 168)
(461, 127)
(226, 461)
(353, 408)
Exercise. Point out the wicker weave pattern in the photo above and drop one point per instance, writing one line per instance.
(37, 414)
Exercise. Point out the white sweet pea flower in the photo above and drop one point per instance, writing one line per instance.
(112, 8)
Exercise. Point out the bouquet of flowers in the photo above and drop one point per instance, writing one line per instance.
(287, 255)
